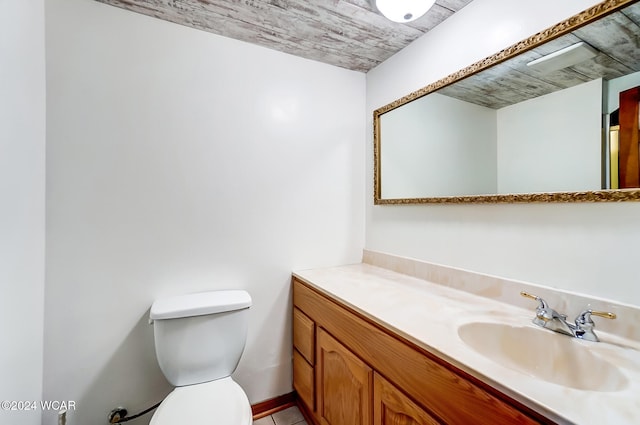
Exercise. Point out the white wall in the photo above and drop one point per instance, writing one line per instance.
(181, 161)
(426, 152)
(589, 248)
(552, 143)
(22, 152)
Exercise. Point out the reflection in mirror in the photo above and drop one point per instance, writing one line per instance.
(521, 128)
(457, 158)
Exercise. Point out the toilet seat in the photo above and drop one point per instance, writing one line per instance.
(219, 402)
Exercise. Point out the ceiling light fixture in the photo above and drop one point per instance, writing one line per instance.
(403, 10)
(564, 58)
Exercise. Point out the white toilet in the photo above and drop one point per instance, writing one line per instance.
(199, 340)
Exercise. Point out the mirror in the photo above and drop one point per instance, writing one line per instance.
(517, 128)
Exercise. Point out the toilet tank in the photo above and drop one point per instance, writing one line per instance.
(200, 337)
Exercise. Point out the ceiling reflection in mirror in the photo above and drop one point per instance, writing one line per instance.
(513, 132)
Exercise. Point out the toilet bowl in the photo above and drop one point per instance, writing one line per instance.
(219, 402)
(199, 339)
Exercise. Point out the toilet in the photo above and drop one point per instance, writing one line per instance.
(199, 340)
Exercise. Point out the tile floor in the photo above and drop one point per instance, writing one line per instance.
(290, 416)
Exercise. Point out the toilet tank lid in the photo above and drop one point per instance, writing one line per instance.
(199, 304)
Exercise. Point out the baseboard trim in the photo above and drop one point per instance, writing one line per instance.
(273, 405)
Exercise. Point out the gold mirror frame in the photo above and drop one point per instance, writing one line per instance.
(584, 18)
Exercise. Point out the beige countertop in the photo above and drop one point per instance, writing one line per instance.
(430, 314)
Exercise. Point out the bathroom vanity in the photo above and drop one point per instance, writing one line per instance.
(373, 346)
(335, 347)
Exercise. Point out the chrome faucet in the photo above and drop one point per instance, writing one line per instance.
(548, 318)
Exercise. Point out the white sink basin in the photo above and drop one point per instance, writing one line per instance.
(543, 354)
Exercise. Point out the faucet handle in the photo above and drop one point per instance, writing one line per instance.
(543, 303)
(584, 324)
(543, 312)
(605, 314)
(585, 316)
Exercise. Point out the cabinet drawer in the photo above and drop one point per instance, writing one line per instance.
(303, 381)
(304, 335)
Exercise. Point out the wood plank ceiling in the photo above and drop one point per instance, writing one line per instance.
(350, 34)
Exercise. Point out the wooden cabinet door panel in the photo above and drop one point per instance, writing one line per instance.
(344, 384)
(392, 407)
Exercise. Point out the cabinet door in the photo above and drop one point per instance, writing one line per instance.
(392, 407)
(344, 384)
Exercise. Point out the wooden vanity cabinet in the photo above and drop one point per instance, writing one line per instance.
(349, 370)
